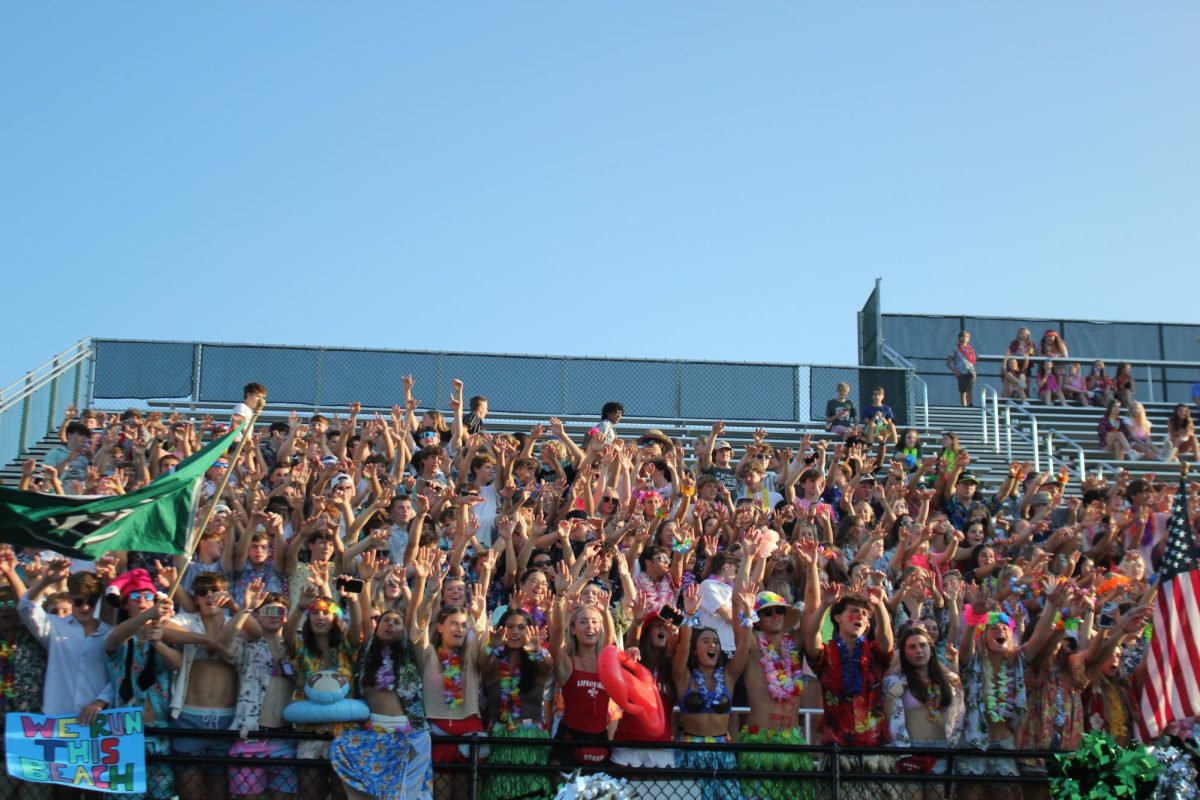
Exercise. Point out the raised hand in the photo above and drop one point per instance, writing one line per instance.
(691, 600)
(252, 598)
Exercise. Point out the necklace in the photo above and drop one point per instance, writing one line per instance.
(933, 699)
(782, 668)
(710, 695)
(852, 668)
(452, 678)
(999, 689)
(510, 688)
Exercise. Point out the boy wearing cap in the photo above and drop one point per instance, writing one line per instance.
(716, 458)
(850, 667)
(775, 681)
(959, 493)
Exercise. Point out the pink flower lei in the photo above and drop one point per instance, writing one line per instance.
(783, 670)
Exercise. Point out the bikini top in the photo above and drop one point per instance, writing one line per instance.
(702, 701)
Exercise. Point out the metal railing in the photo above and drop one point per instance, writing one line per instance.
(823, 772)
(900, 361)
(1110, 365)
(32, 406)
(984, 393)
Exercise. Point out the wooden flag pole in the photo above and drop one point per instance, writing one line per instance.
(194, 542)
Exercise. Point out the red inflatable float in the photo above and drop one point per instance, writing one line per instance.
(632, 687)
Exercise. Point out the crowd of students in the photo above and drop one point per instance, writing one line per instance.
(385, 577)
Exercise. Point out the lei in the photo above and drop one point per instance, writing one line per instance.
(385, 676)
(452, 678)
(852, 672)
(510, 689)
(933, 700)
(782, 670)
(710, 695)
(999, 690)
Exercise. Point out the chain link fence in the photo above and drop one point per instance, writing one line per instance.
(205, 374)
(827, 773)
(926, 340)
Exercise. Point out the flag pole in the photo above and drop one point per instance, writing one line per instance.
(194, 539)
(1184, 468)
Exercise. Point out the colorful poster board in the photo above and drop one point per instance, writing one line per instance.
(109, 755)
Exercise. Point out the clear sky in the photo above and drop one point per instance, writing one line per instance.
(695, 179)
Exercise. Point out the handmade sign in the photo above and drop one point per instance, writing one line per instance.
(108, 755)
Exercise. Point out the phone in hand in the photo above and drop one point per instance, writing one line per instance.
(351, 585)
(671, 614)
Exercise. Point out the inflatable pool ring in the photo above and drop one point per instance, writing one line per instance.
(632, 687)
(328, 701)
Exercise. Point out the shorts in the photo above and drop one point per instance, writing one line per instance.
(988, 765)
(966, 381)
(197, 718)
(256, 780)
(455, 753)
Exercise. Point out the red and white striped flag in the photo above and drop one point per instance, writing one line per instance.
(1172, 688)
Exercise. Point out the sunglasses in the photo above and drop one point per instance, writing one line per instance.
(205, 592)
(83, 601)
(272, 611)
(771, 611)
(541, 563)
(608, 499)
(141, 595)
(7, 604)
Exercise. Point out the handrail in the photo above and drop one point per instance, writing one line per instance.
(983, 409)
(1139, 362)
(1081, 470)
(81, 348)
(29, 384)
(904, 363)
(1033, 438)
(1149, 363)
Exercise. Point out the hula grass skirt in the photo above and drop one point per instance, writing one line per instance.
(782, 760)
(513, 785)
(715, 760)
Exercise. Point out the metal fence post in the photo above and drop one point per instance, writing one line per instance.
(796, 393)
(320, 366)
(26, 405)
(678, 389)
(50, 411)
(90, 383)
(197, 355)
(78, 383)
(563, 378)
(473, 786)
(837, 773)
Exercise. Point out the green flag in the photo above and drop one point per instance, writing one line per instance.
(157, 517)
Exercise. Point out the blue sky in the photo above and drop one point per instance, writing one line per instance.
(672, 179)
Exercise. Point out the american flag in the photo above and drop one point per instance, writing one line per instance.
(1172, 688)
